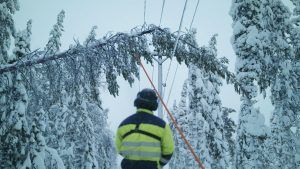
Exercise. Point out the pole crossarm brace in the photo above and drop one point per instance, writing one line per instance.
(159, 61)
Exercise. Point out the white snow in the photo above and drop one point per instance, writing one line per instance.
(38, 161)
(18, 125)
(27, 163)
(253, 37)
(56, 157)
(238, 28)
(255, 123)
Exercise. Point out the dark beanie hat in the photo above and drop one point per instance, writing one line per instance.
(146, 99)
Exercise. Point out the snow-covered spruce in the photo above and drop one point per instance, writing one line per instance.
(280, 60)
(14, 130)
(199, 114)
(246, 43)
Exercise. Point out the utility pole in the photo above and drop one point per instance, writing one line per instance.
(160, 84)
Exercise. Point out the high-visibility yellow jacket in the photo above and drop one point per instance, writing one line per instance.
(144, 140)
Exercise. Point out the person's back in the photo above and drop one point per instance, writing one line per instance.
(144, 140)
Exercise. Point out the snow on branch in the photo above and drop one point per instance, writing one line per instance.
(21, 64)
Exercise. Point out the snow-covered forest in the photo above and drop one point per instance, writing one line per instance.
(52, 113)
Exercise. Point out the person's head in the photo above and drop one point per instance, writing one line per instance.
(146, 99)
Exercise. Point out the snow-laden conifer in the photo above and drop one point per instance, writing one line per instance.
(199, 129)
(229, 131)
(180, 113)
(54, 69)
(199, 113)
(296, 48)
(279, 62)
(247, 46)
(14, 129)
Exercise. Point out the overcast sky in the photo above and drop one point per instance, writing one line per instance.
(122, 15)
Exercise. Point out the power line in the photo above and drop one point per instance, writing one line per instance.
(162, 11)
(139, 79)
(177, 39)
(152, 71)
(179, 30)
(171, 88)
(145, 7)
(194, 15)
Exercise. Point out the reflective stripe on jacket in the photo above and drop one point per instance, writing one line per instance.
(144, 137)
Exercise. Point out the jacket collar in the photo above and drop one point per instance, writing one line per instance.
(144, 111)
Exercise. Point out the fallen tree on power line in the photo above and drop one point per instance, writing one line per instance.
(111, 53)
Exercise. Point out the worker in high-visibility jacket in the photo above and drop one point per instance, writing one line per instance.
(144, 140)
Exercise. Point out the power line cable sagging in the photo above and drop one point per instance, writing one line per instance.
(177, 39)
(145, 8)
(196, 9)
(162, 11)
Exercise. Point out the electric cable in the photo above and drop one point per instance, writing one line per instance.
(145, 7)
(161, 13)
(171, 88)
(152, 72)
(194, 15)
(177, 39)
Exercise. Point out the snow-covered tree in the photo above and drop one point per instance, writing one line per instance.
(194, 126)
(199, 133)
(229, 131)
(296, 29)
(105, 152)
(14, 129)
(51, 85)
(215, 115)
(247, 47)
(7, 30)
(279, 61)
(180, 113)
(56, 125)
(85, 140)
(41, 156)
(296, 47)
(54, 69)
(22, 42)
(297, 141)
(282, 148)
(199, 113)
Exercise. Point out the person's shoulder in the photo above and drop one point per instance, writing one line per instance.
(128, 120)
(157, 120)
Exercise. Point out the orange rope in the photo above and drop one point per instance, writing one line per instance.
(171, 116)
